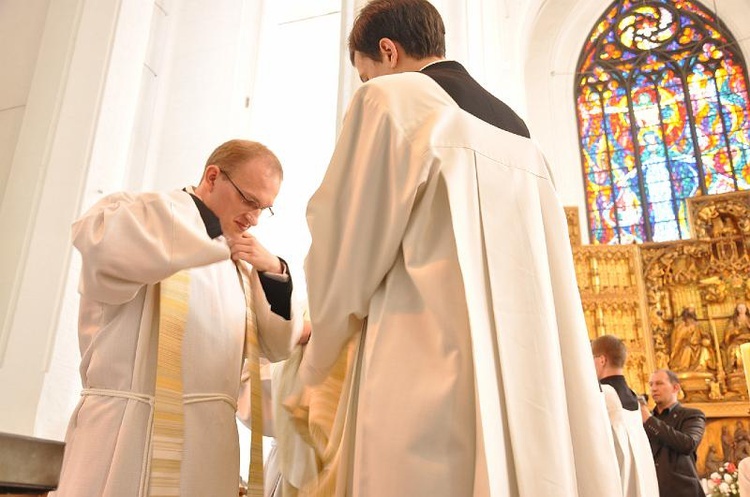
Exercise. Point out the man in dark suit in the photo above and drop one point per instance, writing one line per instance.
(674, 432)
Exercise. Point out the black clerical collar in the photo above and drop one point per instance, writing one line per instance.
(444, 64)
(213, 225)
(628, 398)
(612, 380)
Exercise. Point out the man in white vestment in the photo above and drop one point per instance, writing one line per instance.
(131, 244)
(637, 470)
(440, 255)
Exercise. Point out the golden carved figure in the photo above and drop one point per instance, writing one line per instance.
(727, 444)
(713, 462)
(714, 390)
(714, 289)
(691, 345)
(660, 352)
(741, 442)
(736, 333)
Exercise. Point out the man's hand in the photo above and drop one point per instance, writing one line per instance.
(306, 331)
(247, 248)
(645, 413)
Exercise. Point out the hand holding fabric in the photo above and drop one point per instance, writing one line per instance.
(247, 248)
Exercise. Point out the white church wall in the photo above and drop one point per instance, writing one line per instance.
(47, 174)
(555, 37)
(294, 112)
(21, 26)
(735, 14)
(486, 37)
(204, 85)
(103, 171)
(153, 77)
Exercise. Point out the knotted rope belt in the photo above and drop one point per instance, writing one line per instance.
(163, 455)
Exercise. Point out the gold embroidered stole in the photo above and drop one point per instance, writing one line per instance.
(252, 355)
(168, 416)
(324, 415)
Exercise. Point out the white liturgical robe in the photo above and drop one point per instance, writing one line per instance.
(475, 373)
(637, 470)
(128, 244)
(743, 477)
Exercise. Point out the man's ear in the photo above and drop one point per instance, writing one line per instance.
(389, 51)
(210, 174)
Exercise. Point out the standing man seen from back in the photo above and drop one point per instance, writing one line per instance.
(173, 290)
(637, 472)
(440, 255)
(674, 432)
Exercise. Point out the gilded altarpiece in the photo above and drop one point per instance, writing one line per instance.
(610, 285)
(682, 305)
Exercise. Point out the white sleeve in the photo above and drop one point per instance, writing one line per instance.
(357, 219)
(127, 241)
(276, 335)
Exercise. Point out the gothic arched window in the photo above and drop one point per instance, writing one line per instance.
(662, 105)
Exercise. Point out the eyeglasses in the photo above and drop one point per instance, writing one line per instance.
(251, 203)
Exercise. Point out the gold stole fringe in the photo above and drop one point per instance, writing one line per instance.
(168, 419)
(252, 355)
(325, 416)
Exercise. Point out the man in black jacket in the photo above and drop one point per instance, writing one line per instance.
(674, 432)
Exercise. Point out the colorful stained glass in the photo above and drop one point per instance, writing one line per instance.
(662, 105)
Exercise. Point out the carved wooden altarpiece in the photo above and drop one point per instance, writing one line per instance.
(673, 304)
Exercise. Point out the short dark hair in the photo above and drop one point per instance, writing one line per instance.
(673, 379)
(612, 348)
(415, 24)
(233, 153)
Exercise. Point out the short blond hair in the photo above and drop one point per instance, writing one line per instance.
(233, 153)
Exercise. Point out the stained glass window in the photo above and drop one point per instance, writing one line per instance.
(662, 104)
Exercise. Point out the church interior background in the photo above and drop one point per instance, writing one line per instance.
(662, 107)
(641, 108)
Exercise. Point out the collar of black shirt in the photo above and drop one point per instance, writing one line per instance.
(666, 411)
(213, 225)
